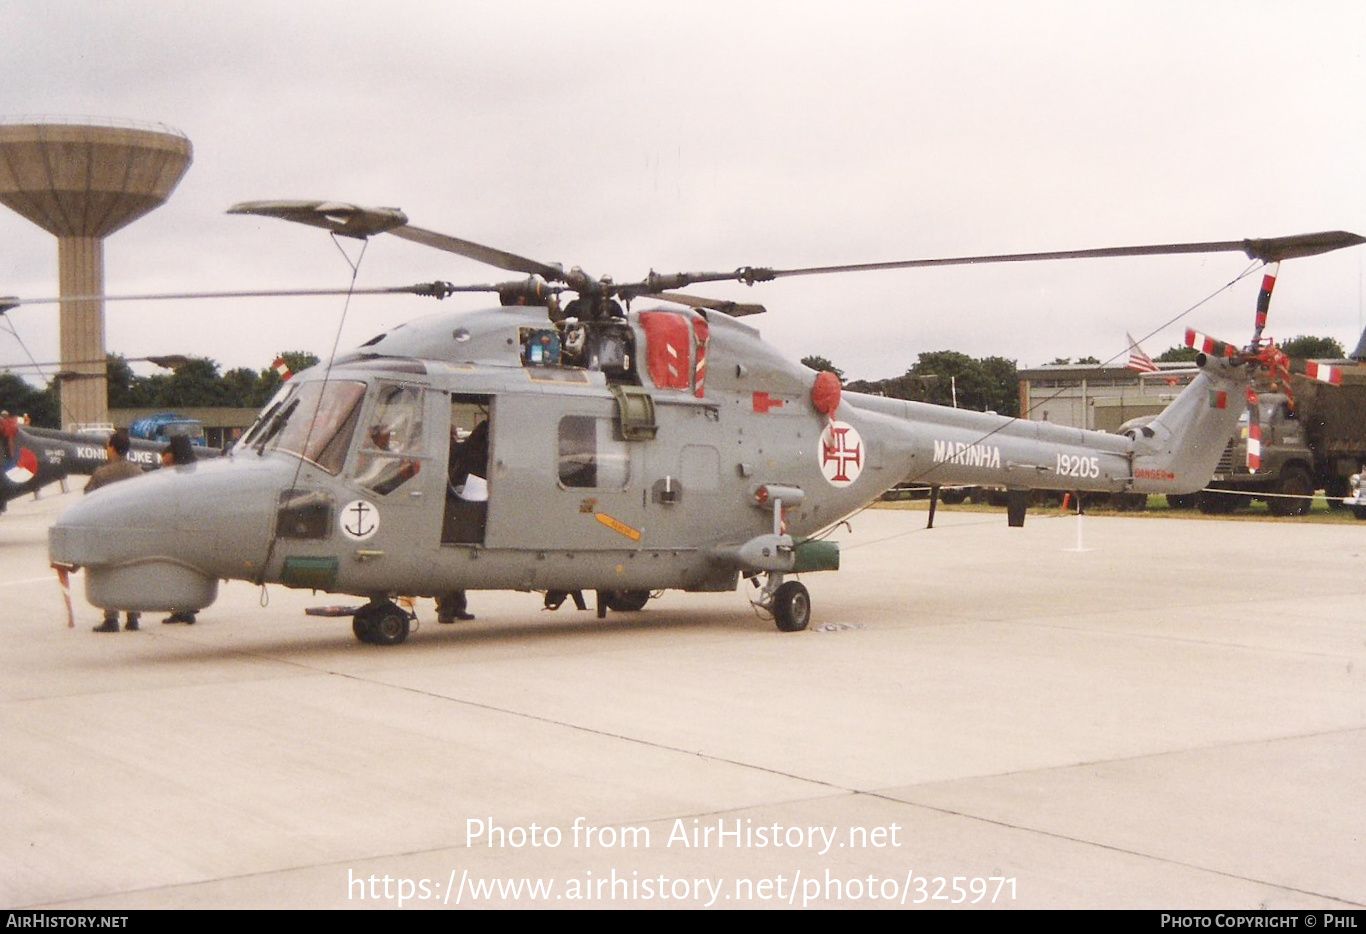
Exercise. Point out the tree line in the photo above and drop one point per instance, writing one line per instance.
(992, 384)
(198, 383)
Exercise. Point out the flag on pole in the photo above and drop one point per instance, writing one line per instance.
(1138, 360)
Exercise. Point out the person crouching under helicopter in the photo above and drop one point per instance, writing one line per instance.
(177, 454)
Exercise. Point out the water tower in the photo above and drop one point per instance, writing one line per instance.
(81, 182)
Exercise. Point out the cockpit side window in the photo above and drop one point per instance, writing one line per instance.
(393, 445)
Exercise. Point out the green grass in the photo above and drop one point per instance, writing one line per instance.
(1157, 509)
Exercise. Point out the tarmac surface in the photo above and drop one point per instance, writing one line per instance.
(1172, 718)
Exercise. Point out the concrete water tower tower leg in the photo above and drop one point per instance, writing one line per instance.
(81, 261)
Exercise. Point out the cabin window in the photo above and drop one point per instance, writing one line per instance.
(591, 455)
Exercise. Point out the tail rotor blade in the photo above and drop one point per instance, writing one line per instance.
(1264, 300)
(1208, 345)
(1322, 372)
(1254, 431)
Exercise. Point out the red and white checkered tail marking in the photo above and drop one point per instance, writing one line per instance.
(1323, 373)
(282, 368)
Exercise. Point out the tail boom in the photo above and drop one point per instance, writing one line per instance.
(1178, 450)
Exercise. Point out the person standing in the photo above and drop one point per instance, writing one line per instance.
(179, 453)
(118, 468)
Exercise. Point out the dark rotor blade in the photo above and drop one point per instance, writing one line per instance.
(734, 309)
(1270, 251)
(484, 254)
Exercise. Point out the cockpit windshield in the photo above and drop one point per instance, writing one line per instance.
(314, 420)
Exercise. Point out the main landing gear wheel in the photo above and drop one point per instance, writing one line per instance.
(627, 601)
(1295, 482)
(381, 624)
(791, 607)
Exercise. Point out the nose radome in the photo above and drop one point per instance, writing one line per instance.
(162, 541)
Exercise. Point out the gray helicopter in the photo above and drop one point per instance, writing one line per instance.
(572, 445)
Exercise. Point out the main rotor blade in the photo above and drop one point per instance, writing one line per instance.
(1268, 250)
(353, 220)
(347, 220)
(168, 361)
(734, 309)
(432, 289)
(484, 254)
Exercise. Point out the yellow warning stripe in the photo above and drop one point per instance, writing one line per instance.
(619, 527)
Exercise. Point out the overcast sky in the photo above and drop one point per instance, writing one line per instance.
(621, 136)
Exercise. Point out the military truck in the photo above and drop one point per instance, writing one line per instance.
(166, 425)
(1316, 444)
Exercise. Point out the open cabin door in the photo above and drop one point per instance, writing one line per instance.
(468, 481)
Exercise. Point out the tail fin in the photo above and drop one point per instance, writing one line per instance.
(1178, 450)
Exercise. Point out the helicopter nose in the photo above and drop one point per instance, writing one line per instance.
(159, 542)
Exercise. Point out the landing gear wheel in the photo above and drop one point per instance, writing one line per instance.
(1219, 503)
(1130, 502)
(390, 627)
(1296, 482)
(791, 607)
(627, 601)
(381, 624)
(1181, 500)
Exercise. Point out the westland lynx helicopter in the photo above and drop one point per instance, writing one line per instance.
(31, 458)
(572, 445)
